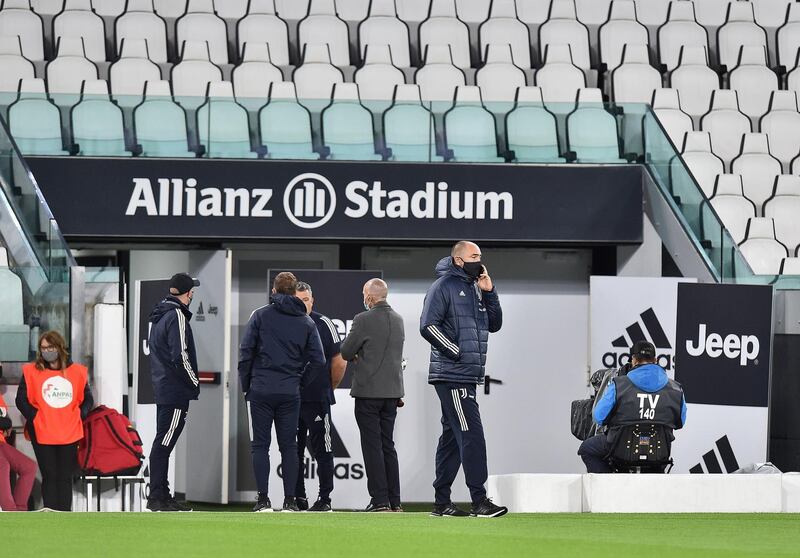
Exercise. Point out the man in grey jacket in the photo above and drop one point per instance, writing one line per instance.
(374, 351)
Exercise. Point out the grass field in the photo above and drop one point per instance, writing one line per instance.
(222, 534)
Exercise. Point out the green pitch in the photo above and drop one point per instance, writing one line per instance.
(239, 535)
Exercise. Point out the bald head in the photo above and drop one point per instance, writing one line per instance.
(464, 248)
(375, 290)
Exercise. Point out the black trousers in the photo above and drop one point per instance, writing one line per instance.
(57, 464)
(462, 443)
(375, 419)
(314, 430)
(594, 452)
(284, 411)
(170, 420)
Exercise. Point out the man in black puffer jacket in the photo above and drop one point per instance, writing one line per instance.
(461, 309)
(279, 342)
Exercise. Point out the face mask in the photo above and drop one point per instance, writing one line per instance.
(473, 269)
(50, 355)
(366, 305)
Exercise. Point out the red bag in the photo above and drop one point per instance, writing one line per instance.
(110, 444)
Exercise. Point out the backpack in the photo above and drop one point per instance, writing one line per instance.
(110, 444)
(642, 445)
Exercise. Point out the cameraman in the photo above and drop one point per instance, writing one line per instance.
(623, 403)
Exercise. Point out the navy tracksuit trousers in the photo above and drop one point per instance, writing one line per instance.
(170, 420)
(462, 442)
(315, 428)
(283, 410)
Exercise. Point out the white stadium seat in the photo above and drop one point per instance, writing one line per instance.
(503, 28)
(129, 74)
(652, 12)
(378, 77)
(252, 78)
(16, 19)
(500, 77)
(191, 76)
(446, 29)
(201, 23)
(13, 66)
(782, 125)
(635, 80)
(758, 169)
(562, 27)
(726, 124)
(559, 78)
(732, 206)
(701, 162)
(761, 249)
(681, 30)
(384, 28)
(261, 24)
(784, 207)
(326, 29)
(68, 70)
(788, 37)
(439, 77)
(740, 30)
(85, 24)
(621, 29)
(140, 22)
(667, 107)
(316, 76)
(694, 80)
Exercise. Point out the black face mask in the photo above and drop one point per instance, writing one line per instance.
(473, 269)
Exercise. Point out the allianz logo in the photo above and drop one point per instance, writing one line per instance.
(310, 201)
(742, 347)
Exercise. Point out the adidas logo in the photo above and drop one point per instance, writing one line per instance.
(712, 465)
(646, 328)
(318, 419)
(461, 294)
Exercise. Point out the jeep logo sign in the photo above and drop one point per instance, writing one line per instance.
(723, 343)
(744, 347)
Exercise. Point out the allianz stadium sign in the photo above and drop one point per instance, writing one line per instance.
(229, 199)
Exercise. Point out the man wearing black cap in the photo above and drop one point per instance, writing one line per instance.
(644, 394)
(173, 362)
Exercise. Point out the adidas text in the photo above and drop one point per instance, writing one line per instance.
(744, 347)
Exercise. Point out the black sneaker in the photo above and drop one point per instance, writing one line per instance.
(397, 508)
(177, 506)
(321, 506)
(262, 504)
(290, 505)
(152, 505)
(377, 508)
(447, 510)
(302, 503)
(485, 508)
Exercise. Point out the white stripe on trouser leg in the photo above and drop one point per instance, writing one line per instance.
(328, 433)
(249, 421)
(176, 415)
(459, 411)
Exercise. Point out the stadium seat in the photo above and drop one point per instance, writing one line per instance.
(439, 77)
(592, 131)
(408, 127)
(652, 12)
(499, 78)
(740, 30)
(790, 266)
(667, 107)
(469, 129)
(503, 28)
(443, 28)
(353, 11)
(531, 130)
(285, 125)
(711, 13)
(383, 28)
(109, 8)
(14, 334)
(701, 161)
(621, 29)
(80, 22)
(47, 7)
(563, 28)
(732, 207)
(771, 13)
(170, 8)
(315, 78)
(261, 24)
(191, 76)
(782, 125)
(694, 80)
(784, 208)
(67, 72)
(223, 129)
(592, 12)
(757, 167)
(559, 79)
(13, 66)
(761, 249)
(323, 27)
(413, 11)
(97, 127)
(472, 11)
(34, 121)
(347, 130)
(788, 37)
(17, 19)
(635, 80)
(378, 77)
(726, 124)
(292, 10)
(201, 23)
(160, 123)
(533, 12)
(681, 31)
(753, 81)
(128, 75)
(251, 78)
(140, 22)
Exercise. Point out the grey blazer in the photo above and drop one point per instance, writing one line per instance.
(376, 338)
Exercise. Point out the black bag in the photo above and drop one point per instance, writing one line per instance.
(642, 444)
(581, 421)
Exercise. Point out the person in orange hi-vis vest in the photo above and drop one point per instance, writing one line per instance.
(13, 461)
(54, 397)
